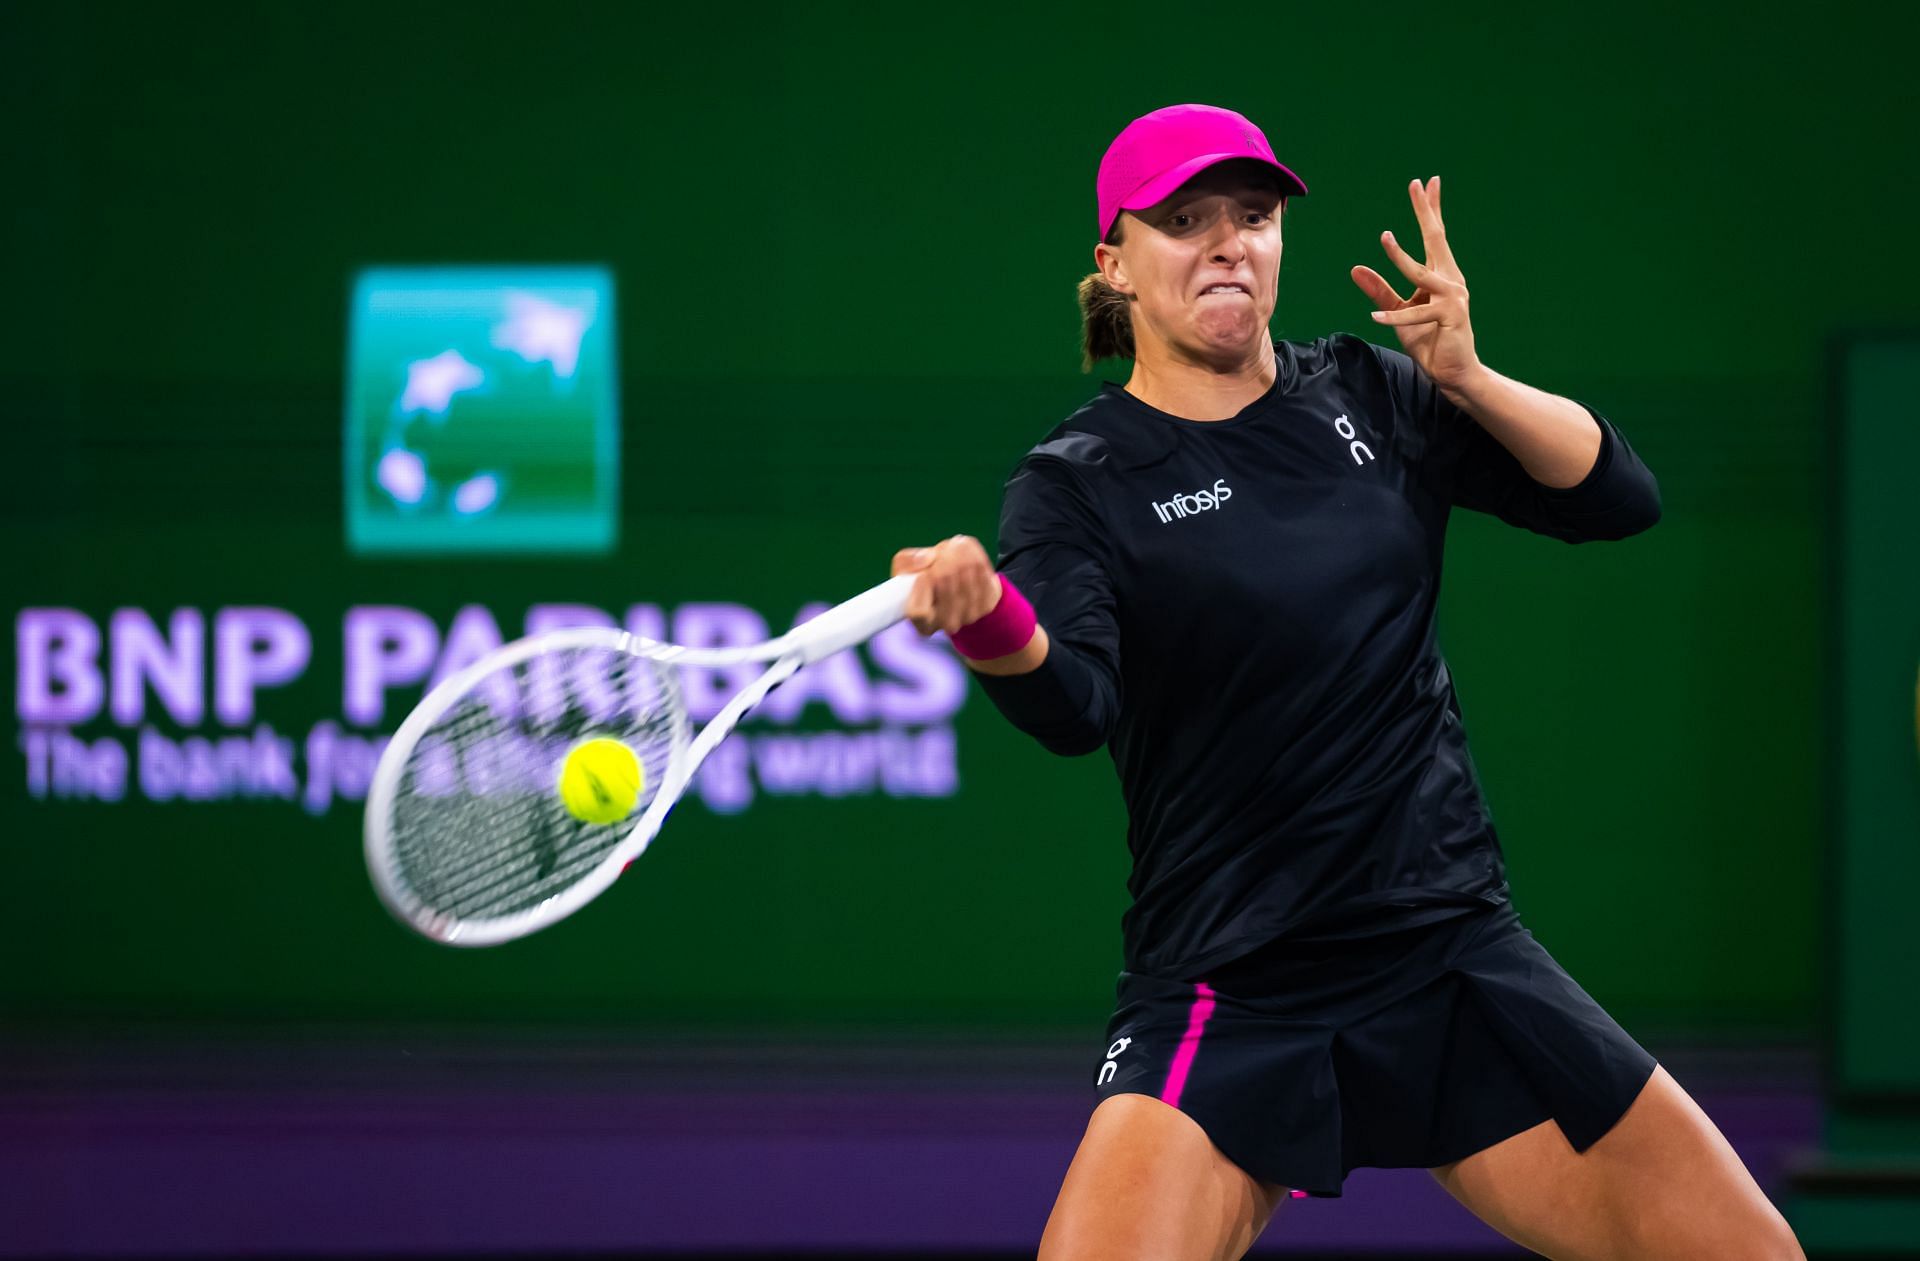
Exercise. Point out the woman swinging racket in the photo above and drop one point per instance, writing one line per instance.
(1226, 572)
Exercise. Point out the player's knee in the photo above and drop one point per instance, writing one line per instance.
(1767, 1236)
(1760, 1237)
(1762, 1244)
(1772, 1240)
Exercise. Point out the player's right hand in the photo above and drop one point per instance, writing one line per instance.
(957, 585)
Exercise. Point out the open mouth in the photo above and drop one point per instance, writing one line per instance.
(1222, 290)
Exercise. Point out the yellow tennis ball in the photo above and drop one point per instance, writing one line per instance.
(600, 781)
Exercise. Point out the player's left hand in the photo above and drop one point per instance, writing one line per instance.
(1432, 325)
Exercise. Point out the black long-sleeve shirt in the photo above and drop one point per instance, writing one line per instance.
(1243, 612)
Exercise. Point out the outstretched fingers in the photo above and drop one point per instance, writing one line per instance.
(1420, 313)
(1433, 230)
(1413, 269)
(1375, 286)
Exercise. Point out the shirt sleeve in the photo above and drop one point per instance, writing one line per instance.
(1053, 548)
(1618, 497)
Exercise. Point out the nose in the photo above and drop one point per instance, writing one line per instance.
(1223, 240)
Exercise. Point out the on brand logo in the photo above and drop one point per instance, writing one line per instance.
(1108, 1069)
(1355, 447)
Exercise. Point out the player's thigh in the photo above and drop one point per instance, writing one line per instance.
(1146, 1182)
(1662, 1183)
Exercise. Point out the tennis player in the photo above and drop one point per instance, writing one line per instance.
(1226, 572)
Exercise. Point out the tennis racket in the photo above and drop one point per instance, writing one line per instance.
(467, 839)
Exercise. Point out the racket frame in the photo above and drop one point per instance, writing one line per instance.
(838, 628)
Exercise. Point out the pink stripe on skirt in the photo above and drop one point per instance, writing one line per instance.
(1189, 1044)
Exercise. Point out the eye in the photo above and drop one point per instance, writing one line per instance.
(1179, 221)
(1258, 216)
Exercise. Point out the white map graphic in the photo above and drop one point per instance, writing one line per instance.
(538, 331)
(432, 383)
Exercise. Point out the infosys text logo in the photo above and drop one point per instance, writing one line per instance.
(1198, 501)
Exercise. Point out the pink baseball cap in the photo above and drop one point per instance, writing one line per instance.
(1159, 152)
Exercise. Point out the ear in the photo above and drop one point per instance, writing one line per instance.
(1113, 269)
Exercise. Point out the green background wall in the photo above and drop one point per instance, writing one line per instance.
(845, 240)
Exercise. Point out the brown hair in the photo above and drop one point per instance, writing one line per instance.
(1106, 323)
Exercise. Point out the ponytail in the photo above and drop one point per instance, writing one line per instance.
(1106, 321)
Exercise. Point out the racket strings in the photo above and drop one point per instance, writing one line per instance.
(478, 827)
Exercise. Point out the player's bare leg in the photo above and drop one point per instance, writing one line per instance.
(1146, 1183)
(1662, 1183)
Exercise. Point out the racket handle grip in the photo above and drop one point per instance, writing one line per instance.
(853, 622)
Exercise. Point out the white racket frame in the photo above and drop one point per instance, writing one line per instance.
(853, 622)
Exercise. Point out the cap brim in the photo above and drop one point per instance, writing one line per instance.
(1165, 184)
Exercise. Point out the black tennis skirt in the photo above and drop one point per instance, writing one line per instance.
(1410, 1049)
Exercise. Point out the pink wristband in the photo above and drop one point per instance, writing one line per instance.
(1000, 633)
